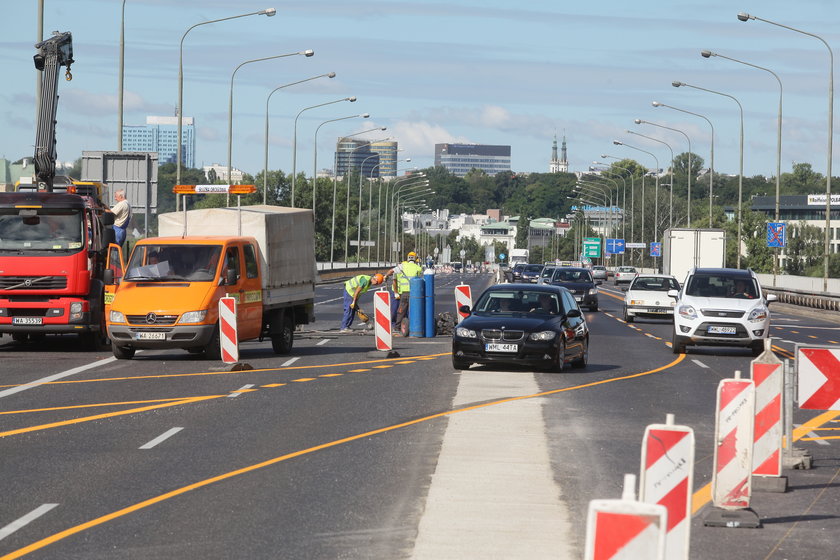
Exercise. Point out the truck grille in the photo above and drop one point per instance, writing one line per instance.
(152, 319)
(33, 282)
(498, 334)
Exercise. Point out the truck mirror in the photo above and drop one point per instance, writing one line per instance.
(108, 276)
(230, 277)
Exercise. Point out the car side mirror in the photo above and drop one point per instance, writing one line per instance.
(771, 297)
(573, 313)
(674, 294)
(465, 309)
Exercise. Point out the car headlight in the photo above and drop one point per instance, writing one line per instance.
(117, 317)
(543, 335)
(193, 316)
(593, 292)
(465, 333)
(758, 314)
(687, 312)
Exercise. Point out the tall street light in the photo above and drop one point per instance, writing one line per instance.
(307, 53)
(359, 216)
(384, 230)
(378, 207)
(712, 151)
(120, 80)
(746, 17)
(740, 157)
(623, 197)
(688, 189)
(632, 192)
(278, 88)
(671, 197)
(351, 99)
(707, 54)
(267, 12)
(656, 188)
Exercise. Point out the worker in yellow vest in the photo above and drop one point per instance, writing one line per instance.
(353, 288)
(407, 269)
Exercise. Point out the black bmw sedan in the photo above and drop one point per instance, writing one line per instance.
(522, 324)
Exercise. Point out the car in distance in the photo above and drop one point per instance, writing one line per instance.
(625, 274)
(721, 306)
(522, 324)
(531, 273)
(647, 296)
(516, 272)
(546, 274)
(579, 281)
(599, 272)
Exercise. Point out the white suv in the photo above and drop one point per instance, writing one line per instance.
(721, 306)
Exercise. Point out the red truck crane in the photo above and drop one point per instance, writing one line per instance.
(56, 238)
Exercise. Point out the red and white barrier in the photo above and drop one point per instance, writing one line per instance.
(625, 529)
(463, 296)
(382, 319)
(228, 337)
(818, 371)
(731, 479)
(667, 479)
(768, 376)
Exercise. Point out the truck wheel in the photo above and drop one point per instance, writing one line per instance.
(282, 341)
(122, 352)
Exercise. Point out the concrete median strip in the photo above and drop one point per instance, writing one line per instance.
(493, 493)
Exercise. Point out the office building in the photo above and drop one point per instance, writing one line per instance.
(802, 209)
(460, 159)
(160, 134)
(357, 155)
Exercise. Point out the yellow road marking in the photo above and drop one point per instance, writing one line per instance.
(54, 408)
(381, 367)
(231, 474)
(273, 385)
(358, 370)
(331, 375)
(303, 379)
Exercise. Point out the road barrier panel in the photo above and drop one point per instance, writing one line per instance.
(818, 371)
(625, 529)
(382, 319)
(228, 337)
(732, 475)
(463, 296)
(767, 372)
(667, 479)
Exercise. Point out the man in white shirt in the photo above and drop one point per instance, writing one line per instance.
(122, 215)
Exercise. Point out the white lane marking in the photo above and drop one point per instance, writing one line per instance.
(323, 342)
(787, 341)
(701, 364)
(161, 438)
(55, 377)
(328, 300)
(289, 362)
(25, 520)
(815, 436)
(239, 391)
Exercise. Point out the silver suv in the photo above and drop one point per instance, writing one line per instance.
(721, 306)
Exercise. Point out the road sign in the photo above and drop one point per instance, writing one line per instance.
(655, 249)
(463, 253)
(776, 234)
(501, 256)
(634, 245)
(819, 378)
(615, 246)
(592, 247)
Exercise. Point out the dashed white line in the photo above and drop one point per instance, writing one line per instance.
(701, 364)
(816, 437)
(324, 341)
(289, 362)
(55, 377)
(239, 391)
(25, 520)
(161, 438)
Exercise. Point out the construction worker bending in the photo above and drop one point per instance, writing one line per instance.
(402, 287)
(353, 288)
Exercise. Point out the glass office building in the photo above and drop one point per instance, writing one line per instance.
(459, 159)
(160, 134)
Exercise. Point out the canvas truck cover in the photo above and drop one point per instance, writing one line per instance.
(286, 237)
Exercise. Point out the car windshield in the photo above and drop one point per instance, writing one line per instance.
(654, 284)
(518, 301)
(722, 286)
(533, 268)
(571, 275)
(194, 263)
(626, 269)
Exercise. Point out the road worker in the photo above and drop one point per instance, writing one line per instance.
(402, 287)
(353, 288)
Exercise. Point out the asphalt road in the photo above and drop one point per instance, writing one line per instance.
(339, 452)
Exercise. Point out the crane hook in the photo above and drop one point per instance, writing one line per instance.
(67, 75)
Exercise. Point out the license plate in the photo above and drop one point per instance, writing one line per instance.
(721, 330)
(659, 310)
(578, 299)
(498, 347)
(27, 321)
(150, 336)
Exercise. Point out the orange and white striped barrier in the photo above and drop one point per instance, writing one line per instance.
(228, 337)
(625, 529)
(768, 376)
(463, 296)
(382, 319)
(667, 479)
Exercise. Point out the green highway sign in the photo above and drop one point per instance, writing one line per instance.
(592, 247)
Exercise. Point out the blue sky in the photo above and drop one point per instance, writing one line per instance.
(477, 71)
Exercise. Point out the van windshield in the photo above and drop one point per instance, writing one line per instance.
(193, 263)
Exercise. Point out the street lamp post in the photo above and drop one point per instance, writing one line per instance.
(423, 182)
(278, 88)
(746, 17)
(120, 80)
(306, 53)
(267, 12)
(688, 174)
(378, 207)
(359, 216)
(623, 199)
(740, 158)
(656, 189)
(632, 193)
(711, 156)
(351, 99)
(671, 196)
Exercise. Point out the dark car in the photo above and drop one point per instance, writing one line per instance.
(525, 324)
(579, 281)
(516, 272)
(531, 273)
